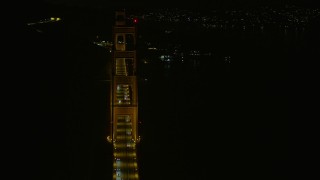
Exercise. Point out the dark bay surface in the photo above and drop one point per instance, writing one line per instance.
(203, 118)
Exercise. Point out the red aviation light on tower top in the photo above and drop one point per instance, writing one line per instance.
(135, 20)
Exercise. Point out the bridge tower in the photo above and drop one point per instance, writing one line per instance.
(124, 86)
(124, 100)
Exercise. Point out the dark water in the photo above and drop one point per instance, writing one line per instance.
(201, 118)
(207, 119)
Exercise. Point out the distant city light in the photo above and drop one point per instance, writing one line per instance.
(55, 19)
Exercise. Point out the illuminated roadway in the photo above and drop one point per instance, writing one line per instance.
(124, 101)
(125, 157)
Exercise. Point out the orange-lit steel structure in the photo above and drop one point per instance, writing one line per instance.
(124, 100)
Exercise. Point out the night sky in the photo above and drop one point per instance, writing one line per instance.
(34, 8)
(180, 3)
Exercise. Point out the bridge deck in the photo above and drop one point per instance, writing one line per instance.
(125, 157)
(124, 145)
